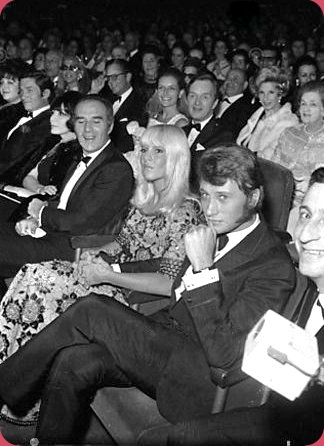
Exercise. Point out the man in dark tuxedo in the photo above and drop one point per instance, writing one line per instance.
(204, 130)
(280, 421)
(217, 298)
(127, 104)
(28, 135)
(237, 105)
(94, 193)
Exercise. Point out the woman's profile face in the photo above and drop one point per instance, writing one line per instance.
(311, 107)
(306, 73)
(269, 95)
(70, 70)
(9, 89)
(153, 161)
(168, 91)
(58, 121)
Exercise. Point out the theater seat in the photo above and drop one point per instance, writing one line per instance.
(278, 193)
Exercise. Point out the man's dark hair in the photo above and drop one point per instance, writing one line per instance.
(317, 176)
(69, 101)
(103, 101)
(42, 80)
(123, 65)
(306, 60)
(231, 162)
(205, 76)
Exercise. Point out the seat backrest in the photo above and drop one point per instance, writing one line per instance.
(278, 192)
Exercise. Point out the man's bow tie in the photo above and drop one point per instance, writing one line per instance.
(222, 241)
(226, 100)
(85, 159)
(321, 307)
(28, 114)
(196, 126)
(117, 98)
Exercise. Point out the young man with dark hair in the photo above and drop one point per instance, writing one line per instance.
(219, 295)
(279, 422)
(28, 135)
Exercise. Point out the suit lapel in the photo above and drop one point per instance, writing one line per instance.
(124, 106)
(105, 154)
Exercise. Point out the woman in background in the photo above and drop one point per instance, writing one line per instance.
(264, 127)
(169, 91)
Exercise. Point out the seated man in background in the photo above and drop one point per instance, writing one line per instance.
(95, 192)
(28, 135)
(217, 298)
(279, 422)
(204, 130)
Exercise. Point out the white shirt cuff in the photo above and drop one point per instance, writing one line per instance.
(204, 277)
(116, 268)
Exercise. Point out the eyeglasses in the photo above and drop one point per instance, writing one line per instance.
(73, 68)
(114, 77)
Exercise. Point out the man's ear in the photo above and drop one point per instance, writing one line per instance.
(254, 198)
(245, 85)
(111, 128)
(129, 77)
(46, 93)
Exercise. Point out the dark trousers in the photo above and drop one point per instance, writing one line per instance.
(97, 342)
(16, 250)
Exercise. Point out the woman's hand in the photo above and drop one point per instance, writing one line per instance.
(94, 270)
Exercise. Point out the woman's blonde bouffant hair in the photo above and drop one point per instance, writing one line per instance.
(174, 141)
(273, 74)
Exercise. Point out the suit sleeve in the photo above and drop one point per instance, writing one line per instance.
(222, 328)
(101, 202)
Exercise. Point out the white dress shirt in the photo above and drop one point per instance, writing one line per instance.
(316, 321)
(25, 119)
(77, 174)
(194, 132)
(117, 104)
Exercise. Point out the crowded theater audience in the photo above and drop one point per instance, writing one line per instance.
(144, 149)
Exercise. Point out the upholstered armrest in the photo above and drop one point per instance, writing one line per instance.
(227, 378)
(91, 241)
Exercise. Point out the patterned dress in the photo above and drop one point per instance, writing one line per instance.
(41, 292)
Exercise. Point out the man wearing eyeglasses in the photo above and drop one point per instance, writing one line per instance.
(127, 104)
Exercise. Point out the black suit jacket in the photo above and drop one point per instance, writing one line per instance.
(132, 109)
(24, 142)
(236, 115)
(213, 134)
(9, 116)
(98, 197)
(255, 275)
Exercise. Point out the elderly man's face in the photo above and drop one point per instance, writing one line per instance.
(92, 126)
(309, 234)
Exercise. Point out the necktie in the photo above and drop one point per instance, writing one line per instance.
(222, 241)
(85, 159)
(321, 307)
(196, 126)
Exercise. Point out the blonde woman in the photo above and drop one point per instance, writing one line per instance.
(161, 213)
